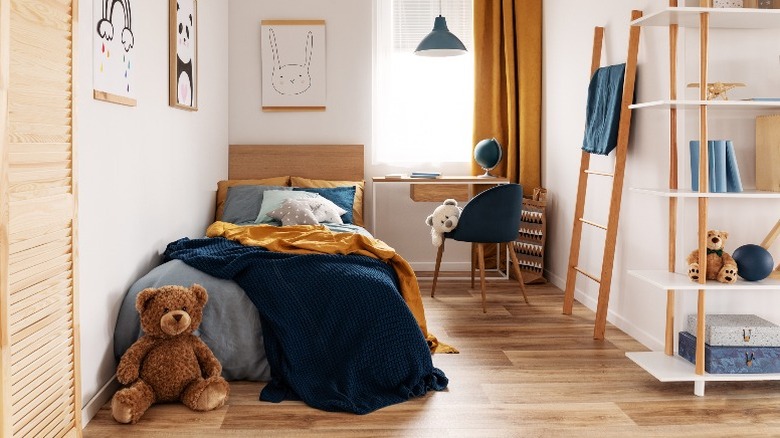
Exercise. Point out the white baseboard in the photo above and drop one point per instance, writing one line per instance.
(613, 318)
(102, 397)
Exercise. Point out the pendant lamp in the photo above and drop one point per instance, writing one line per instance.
(440, 42)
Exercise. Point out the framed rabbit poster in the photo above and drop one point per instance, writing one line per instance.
(293, 65)
(183, 17)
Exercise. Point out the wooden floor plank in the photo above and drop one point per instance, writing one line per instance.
(524, 370)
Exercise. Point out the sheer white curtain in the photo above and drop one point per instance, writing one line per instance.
(423, 106)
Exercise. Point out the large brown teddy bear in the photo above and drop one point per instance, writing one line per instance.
(168, 363)
(720, 265)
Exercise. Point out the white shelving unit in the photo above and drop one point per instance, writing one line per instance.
(665, 365)
(677, 193)
(676, 281)
(667, 368)
(712, 104)
(723, 18)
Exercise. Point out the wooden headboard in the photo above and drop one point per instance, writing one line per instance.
(332, 162)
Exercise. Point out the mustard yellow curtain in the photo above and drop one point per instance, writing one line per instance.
(508, 75)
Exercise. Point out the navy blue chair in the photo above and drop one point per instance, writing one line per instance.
(491, 217)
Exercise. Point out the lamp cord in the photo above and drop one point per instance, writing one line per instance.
(440, 8)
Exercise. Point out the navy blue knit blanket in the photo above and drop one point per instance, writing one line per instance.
(337, 332)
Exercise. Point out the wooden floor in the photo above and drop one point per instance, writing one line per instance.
(523, 371)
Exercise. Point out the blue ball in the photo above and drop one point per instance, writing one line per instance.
(753, 262)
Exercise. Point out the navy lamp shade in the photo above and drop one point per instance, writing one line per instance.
(440, 42)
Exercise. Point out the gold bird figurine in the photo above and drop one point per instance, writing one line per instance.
(718, 89)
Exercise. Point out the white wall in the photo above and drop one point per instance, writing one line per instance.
(348, 115)
(635, 306)
(348, 38)
(147, 175)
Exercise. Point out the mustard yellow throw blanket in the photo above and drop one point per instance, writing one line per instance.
(317, 239)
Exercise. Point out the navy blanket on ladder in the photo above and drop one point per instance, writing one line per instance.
(603, 111)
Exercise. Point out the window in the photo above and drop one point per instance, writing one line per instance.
(423, 107)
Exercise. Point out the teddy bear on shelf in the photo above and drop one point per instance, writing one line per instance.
(168, 363)
(720, 265)
(443, 220)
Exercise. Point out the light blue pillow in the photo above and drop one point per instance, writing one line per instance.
(273, 199)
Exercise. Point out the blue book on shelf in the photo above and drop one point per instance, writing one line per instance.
(718, 165)
(733, 180)
(695, 165)
(711, 165)
(722, 174)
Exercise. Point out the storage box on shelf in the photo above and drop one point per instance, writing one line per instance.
(726, 330)
(665, 365)
(731, 359)
(734, 344)
(725, 3)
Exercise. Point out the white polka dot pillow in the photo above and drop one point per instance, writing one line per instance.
(325, 210)
(308, 211)
(294, 212)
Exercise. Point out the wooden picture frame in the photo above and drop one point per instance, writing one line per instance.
(293, 54)
(113, 42)
(183, 48)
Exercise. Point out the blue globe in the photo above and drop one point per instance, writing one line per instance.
(754, 263)
(487, 153)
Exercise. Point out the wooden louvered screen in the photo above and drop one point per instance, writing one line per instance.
(38, 319)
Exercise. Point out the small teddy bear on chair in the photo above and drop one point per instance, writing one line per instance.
(443, 220)
(720, 265)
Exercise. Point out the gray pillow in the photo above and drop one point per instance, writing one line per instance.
(325, 210)
(243, 203)
(273, 199)
(294, 212)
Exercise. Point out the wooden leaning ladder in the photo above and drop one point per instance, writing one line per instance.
(605, 279)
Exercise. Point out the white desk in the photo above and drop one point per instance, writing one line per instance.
(470, 181)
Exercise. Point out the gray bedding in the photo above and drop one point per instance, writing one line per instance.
(230, 327)
(231, 324)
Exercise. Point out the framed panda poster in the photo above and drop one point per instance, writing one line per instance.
(183, 18)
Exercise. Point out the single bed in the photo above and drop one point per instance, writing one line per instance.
(231, 323)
